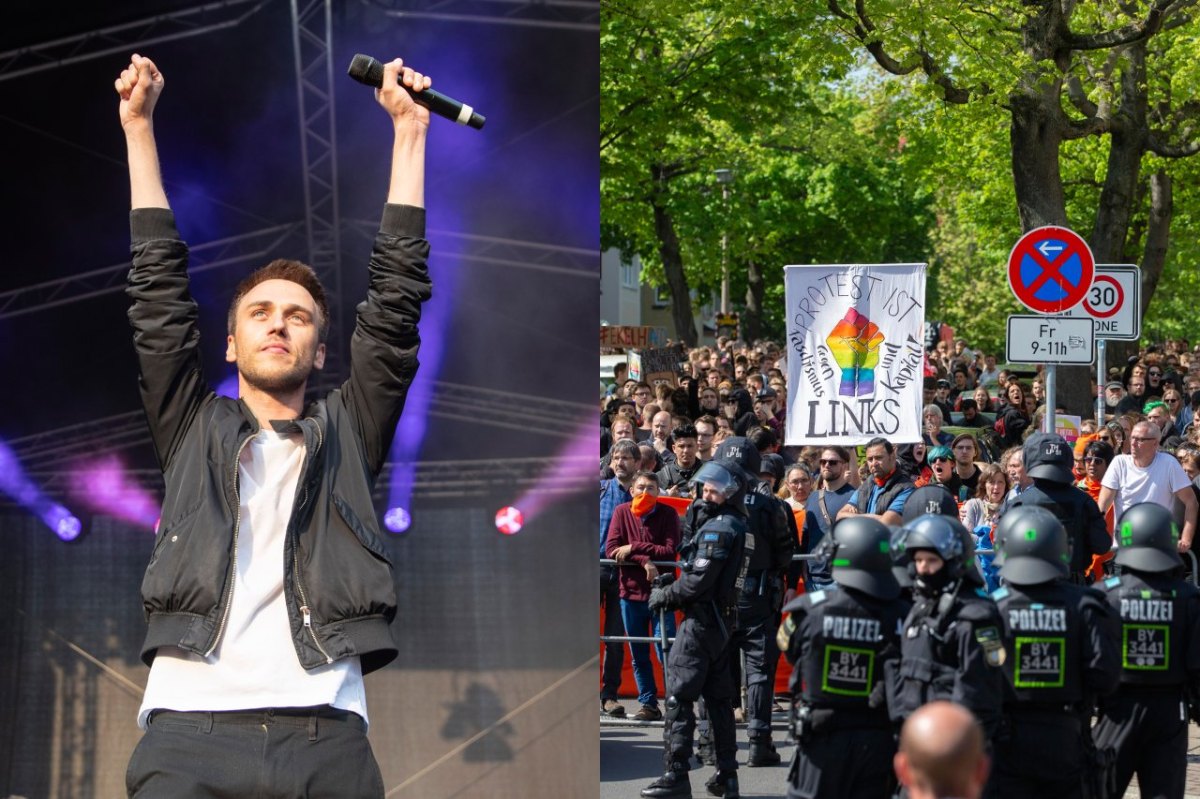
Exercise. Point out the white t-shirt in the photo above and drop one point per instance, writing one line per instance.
(255, 663)
(1156, 483)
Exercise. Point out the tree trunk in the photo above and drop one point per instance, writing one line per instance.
(672, 261)
(1126, 147)
(751, 322)
(1035, 135)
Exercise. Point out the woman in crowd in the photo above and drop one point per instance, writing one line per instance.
(1097, 455)
(983, 510)
(984, 400)
(1012, 419)
(911, 458)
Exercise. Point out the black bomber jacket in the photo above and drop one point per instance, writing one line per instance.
(338, 582)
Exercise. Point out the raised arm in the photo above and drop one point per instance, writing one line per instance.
(139, 86)
(383, 347)
(410, 123)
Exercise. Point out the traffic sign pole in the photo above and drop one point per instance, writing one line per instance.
(1101, 382)
(1051, 385)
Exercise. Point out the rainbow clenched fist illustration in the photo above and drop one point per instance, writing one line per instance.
(854, 343)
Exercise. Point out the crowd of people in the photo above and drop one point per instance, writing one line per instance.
(702, 457)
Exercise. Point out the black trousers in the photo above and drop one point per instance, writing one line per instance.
(1039, 756)
(844, 764)
(286, 753)
(698, 666)
(1148, 731)
(755, 636)
(614, 651)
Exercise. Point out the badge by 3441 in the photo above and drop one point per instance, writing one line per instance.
(855, 352)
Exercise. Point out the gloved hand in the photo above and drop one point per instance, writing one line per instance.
(659, 600)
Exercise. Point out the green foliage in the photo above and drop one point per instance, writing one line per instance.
(837, 162)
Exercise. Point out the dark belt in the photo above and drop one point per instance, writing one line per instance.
(258, 716)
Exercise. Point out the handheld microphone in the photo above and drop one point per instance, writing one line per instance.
(369, 71)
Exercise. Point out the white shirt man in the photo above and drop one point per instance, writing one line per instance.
(1148, 475)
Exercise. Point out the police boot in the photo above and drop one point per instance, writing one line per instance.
(674, 783)
(723, 783)
(762, 752)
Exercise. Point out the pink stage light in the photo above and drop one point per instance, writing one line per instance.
(104, 486)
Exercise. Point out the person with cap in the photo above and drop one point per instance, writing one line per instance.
(941, 398)
(1162, 418)
(951, 648)
(764, 409)
(882, 497)
(1148, 475)
(1159, 613)
(942, 754)
(1060, 643)
(840, 641)
(772, 527)
(715, 551)
(1114, 392)
(1049, 462)
(771, 470)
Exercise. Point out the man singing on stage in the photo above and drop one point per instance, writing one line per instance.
(269, 591)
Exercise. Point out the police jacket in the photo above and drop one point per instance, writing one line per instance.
(713, 554)
(1079, 514)
(1060, 645)
(840, 641)
(774, 529)
(1160, 629)
(952, 648)
(339, 588)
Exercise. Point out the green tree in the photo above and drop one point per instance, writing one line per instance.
(1062, 76)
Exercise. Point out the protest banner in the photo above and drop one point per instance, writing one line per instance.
(657, 365)
(856, 353)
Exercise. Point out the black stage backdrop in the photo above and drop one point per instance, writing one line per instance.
(494, 693)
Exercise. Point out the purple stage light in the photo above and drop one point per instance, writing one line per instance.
(397, 520)
(104, 486)
(64, 524)
(228, 387)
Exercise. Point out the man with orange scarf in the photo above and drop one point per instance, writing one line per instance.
(642, 531)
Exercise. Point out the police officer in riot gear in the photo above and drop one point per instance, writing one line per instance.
(1049, 460)
(840, 641)
(1145, 722)
(773, 528)
(951, 647)
(1060, 657)
(714, 553)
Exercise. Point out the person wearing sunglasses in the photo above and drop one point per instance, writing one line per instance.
(822, 509)
(1148, 475)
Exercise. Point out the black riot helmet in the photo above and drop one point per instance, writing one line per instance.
(862, 556)
(1032, 546)
(724, 476)
(1149, 539)
(899, 561)
(939, 534)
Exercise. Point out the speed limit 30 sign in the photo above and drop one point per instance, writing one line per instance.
(1114, 301)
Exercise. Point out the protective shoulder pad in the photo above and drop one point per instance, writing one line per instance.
(977, 611)
(1094, 598)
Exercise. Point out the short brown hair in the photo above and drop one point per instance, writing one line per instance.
(283, 269)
